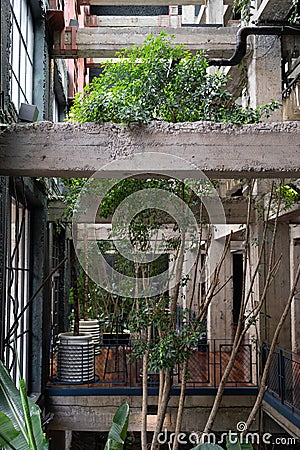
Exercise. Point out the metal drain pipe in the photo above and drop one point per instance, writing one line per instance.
(241, 41)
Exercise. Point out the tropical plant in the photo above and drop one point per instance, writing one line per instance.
(161, 81)
(20, 421)
(230, 445)
(118, 431)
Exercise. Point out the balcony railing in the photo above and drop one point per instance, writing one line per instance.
(115, 366)
(284, 377)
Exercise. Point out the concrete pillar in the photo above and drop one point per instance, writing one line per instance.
(4, 214)
(60, 439)
(219, 319)
(295, 308)
(264, 73)
(279, 290)
(41, 81)
(188, 14)
(214, 12)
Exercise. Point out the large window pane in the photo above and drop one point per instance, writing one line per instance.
(22, 48)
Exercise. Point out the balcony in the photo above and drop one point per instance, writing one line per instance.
(117, 370)
(282, 398)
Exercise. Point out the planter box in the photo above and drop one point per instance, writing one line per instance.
(75, 358)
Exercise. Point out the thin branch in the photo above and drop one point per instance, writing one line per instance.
(11, 331)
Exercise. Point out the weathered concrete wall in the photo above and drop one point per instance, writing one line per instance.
(264, 72)
(220, 150)
(295, 307)
(279, 289)
(219, 320)
(93, 413)
(272, 10)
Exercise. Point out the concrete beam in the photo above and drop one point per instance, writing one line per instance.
(141, 2)
(220, 150)
(104, 42)
(95, 413)
(235, 211)
(284, 423)
(146, 2)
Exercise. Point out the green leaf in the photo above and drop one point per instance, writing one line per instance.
(7, 431)
(207, 447)
(27, 417)
(237, 445)
(246, 446)
(232, 445)
(10, 401)
(23, 414)
(118, 431)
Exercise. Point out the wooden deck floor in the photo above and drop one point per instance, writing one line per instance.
(113, 367)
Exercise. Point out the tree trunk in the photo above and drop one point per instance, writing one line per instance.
(144, 401)
(180, 406)
(86, 278)
(75, 293)
(162, 410)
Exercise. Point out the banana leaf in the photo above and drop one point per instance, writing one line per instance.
(20, 414)
(118, 431)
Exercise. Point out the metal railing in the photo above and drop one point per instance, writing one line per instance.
(284, 376)
(115, 365)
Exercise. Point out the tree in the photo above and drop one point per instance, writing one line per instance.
(159, 81)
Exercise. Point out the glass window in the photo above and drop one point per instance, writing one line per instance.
(21, 56)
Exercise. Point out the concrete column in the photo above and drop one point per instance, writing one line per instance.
(279, 290)
(188, 14)
(264, 73)
(214, 12)
(219, 319)
(41, 79)
(295, 308)
(60, 439)
(4, 223)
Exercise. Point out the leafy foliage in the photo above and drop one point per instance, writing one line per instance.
(161, 81)
(229, 446)
(20, 422)
(295, 12)
(118, 431)
(243, 7)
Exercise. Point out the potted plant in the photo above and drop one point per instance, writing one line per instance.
(76, 349)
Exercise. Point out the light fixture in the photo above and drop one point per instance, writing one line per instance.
(28, 113)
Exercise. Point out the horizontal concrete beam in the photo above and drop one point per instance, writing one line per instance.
(95, 413)
(141, 2)
(235, 211)
(220, 150)
(283, 422)
(104, 42)
(146, 2)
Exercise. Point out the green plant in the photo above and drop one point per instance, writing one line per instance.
(161, 81)
(243, 7)
(229, 446)
(118, 431)
(295, 12)
(20, 422)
